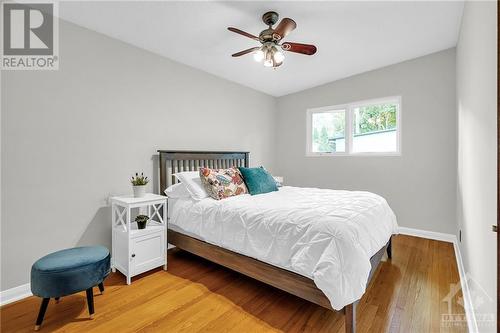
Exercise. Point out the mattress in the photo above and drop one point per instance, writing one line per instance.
(328, 236)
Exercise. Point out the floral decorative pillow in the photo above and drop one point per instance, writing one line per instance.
(222, 183)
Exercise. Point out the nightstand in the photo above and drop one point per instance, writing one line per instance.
(134, 250)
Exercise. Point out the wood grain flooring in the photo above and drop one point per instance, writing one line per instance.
(406, 295)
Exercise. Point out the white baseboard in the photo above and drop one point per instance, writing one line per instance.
(15, 294)
(468, 306)
(450, 238)
(23, 291)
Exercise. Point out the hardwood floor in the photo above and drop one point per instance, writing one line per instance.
(406, 295)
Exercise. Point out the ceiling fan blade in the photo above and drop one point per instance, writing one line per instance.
(299, 48)
(246, 51)
(284, 27)
(241, 32)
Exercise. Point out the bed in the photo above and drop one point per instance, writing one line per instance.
(321, 245)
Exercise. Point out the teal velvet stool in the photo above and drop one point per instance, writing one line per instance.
(67, 272)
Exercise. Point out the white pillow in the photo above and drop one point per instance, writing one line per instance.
(193, 184)
(278, 180)
(178, 190)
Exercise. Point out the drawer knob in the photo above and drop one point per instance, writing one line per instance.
(133, 255)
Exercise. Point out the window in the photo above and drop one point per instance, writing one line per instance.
(361, 128)
(328, 134)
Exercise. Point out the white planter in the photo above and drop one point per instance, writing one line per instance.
(139, 191)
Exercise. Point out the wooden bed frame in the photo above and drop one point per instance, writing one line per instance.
(172, 161)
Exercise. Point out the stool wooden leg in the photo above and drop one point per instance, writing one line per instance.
(101, 287)
(41, 313)
(90, 302)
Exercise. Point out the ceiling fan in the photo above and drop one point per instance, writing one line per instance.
(271, 38)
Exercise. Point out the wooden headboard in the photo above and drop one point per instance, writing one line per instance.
(172, 161)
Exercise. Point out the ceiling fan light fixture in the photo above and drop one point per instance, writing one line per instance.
(269, 59)
(259, 55)
(279, 57)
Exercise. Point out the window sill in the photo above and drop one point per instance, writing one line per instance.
(395, 154)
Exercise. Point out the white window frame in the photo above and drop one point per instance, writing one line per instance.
(348, 128)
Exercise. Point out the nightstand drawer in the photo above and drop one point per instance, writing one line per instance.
(147, 252)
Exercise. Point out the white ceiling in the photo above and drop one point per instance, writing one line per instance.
(352, 37)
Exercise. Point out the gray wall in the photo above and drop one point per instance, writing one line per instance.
(420, 185)
(477, 150)
(73, 137)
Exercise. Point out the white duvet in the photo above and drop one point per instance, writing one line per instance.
(326, 235)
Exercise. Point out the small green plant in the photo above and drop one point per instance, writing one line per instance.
(141, 221)
(139, 180)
